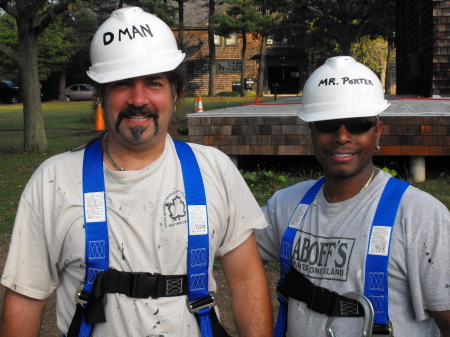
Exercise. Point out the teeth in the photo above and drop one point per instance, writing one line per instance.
(342, 155)
(136, 118)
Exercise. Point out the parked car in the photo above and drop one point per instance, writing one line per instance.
(80, 92)
(9, 92)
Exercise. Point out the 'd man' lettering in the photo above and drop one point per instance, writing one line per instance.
(128, 33)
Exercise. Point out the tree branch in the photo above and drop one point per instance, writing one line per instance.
(9, 52)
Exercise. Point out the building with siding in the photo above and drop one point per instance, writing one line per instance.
(423, 47)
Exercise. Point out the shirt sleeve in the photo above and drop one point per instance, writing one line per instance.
(426, 224)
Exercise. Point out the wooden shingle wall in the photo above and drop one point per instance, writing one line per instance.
(423, 47)
(197, 59)
(288, 135)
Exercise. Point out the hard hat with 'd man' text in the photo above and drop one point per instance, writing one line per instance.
(132, 43)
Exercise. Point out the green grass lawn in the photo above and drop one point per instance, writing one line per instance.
(70, 124)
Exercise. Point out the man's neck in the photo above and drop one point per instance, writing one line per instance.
(132, 158)
(337, 189)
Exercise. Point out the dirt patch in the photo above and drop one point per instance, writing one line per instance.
(49, 328)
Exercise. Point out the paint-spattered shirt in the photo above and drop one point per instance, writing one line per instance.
(330, 249)
(146, 212)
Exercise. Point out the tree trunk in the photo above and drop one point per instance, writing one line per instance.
(389, 69)
(262, 66)
(35, 139)
(212, 50)
(243, 59)
(181, 23)
(62, 85)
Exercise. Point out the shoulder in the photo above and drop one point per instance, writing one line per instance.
(212, 159)
(62, 163)
(417, 201)
(208, 153)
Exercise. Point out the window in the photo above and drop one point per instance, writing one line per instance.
(222, 66)
(231, 40)
(217, 40)
(229, 66)
(236, 66)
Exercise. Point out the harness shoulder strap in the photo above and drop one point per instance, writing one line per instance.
(377, 259)
(96, 228)
(286, 251)
(200, 300)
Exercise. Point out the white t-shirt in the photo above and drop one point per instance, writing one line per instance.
(147, 233)
(330, 249)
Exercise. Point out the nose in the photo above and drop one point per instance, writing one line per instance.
(342, 136)
(138, 96)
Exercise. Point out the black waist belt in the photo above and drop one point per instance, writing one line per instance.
(136, 285)
(318, 299)
(322, 300)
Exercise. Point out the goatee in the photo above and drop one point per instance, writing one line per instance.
(132, 111)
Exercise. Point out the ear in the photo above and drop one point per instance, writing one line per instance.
(378, 131)
(174, 107)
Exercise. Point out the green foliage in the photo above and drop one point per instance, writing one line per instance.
(330, 26)
(264, 183)
(389, 168)
(370, 52)
(8, 38)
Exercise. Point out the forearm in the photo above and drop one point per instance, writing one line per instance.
(249, 290)
(252, 307)
(442, 319)
(21, 315)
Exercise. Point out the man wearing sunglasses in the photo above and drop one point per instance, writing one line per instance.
(361, 253)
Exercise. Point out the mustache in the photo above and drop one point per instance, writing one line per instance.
(131, 111)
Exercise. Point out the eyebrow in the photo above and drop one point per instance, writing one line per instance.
(153, 77)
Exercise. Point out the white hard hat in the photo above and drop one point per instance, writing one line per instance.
(132, 43)
(342, 88)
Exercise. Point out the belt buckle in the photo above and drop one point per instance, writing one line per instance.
(79, 294)
(383, 330)
(143, 285)
(194, 307)
(282, 297)
(324, 298)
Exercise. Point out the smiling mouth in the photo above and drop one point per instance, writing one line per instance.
(139, 118)
(342, 155)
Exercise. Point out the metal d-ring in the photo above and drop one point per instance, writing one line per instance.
(368, 315)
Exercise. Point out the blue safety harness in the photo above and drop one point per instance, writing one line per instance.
(200, 300)
(377, 259)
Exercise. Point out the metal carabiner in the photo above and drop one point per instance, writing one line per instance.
(368, 315)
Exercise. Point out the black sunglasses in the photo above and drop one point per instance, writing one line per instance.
(354, 126)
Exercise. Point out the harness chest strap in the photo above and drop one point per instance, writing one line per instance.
(100, 280)
(328, 302)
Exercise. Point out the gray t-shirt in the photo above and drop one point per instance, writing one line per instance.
(147, 233)
(330, 249)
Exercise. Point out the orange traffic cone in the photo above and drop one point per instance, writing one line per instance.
(257, 99)
(200, 104)
(99, 121)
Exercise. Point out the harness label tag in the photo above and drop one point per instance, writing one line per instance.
(297, 217)
(380, 240)
(94, 204)
(197, 220)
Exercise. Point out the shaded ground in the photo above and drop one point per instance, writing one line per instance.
(49, 328)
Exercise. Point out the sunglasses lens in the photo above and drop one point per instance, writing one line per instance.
(352, 126)
(328, 126)
(358, 126)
